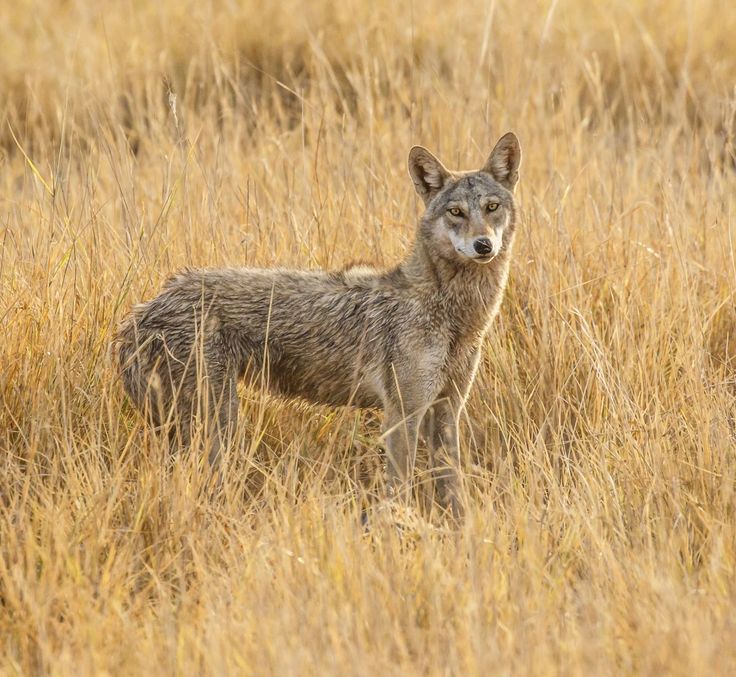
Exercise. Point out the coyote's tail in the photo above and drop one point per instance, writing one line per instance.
(129, 357)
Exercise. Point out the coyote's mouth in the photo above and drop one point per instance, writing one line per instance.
(486, 258)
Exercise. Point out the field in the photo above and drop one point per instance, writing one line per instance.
(599, 444)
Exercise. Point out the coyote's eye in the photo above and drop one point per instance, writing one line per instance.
(455, 211)
(492, 206)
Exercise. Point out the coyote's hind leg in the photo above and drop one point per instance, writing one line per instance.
(222, 417)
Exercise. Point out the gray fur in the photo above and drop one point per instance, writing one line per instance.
(407, 340)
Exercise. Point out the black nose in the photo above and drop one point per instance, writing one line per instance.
(483, 246)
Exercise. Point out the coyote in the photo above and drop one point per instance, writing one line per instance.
(407, 340)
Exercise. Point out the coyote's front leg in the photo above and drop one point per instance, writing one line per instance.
(407, 394)
(441, 426)
(401, 432)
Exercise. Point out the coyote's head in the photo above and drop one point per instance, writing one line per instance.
(470, 216)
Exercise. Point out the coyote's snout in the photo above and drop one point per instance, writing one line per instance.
(406, 340)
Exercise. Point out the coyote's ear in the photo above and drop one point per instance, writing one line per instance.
(427, 172)
(504, 160)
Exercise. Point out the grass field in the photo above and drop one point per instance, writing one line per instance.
(600, 439)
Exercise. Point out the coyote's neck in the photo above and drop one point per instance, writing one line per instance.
(467, 295)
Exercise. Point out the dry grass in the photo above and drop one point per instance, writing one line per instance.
(599, 445)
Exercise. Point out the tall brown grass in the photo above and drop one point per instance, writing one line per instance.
(138, 138)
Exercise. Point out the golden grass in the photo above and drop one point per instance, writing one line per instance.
(139, 137)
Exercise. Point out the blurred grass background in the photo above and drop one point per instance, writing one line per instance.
(137, 138)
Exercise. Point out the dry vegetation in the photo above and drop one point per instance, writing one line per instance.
(140, 137)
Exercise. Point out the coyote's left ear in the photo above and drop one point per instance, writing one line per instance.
(504, 160)
(427, 172)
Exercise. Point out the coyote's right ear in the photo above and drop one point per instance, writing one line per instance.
(427, 172)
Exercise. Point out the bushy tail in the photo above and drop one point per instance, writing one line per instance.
(130, 361)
